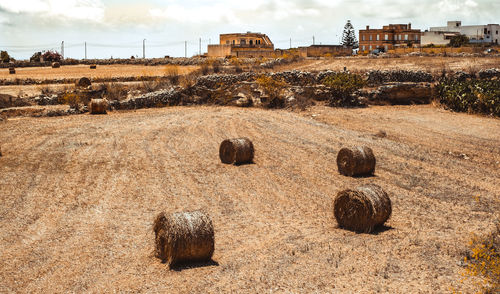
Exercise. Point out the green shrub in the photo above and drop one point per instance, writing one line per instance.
(72, 99)
(274, 88)
(473, 96)
(342, 86)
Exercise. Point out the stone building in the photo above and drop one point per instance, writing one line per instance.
(489, 33)
(244, 45)
(325, 51)
(388, 38)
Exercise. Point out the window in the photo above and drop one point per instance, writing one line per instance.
(485, 31)
(243, 42)
(227, 42)
(378, 37)
(386, 37)
(251, 42)
(406, 37)
(370, 47)
(364, 48)
(497, 32)
(363, 37)
(416, 37)
(370, 37)
(234, 42)
(386, 48)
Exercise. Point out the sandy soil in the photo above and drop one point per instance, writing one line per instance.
(102, 71)
(79, 195)
(430, 64)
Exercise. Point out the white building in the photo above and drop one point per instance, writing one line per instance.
(437, 38)
(477, 34)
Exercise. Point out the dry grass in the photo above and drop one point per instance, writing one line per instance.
(79, 195)
(102, 71)
(430, 64)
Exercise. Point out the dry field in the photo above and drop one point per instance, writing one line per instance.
(79, 195)
(430, 64)
(102, 71)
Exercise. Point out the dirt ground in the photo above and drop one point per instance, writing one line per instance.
(102, 71)
(79, 195)
(429, 64)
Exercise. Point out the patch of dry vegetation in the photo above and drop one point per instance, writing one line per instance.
(79, 196)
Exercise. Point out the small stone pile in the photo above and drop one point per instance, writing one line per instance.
(47, 100)
(462, 76)
(273, 62)
(489, 73)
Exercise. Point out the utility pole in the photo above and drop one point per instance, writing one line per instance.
(313, 40)
(185, 49)
(62, 49)
(144, 49)
(85, 50)
(200, 46)
(290, 43)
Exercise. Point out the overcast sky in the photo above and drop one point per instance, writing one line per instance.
(117, 27)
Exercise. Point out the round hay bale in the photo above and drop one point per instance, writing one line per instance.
(83, 82)
(183, 237)
(362, 209)
(236, 151)
(356, 161)
(98, 106)
(56, 65)
(12, 70)
(93, 66)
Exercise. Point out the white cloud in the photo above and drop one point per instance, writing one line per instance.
(200, 14)
(90, 10)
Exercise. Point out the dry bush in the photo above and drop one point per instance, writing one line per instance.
(483, 260)
(274, 88)
(205, 69)
(114, 91)
(72, 99)
(216, 66)
(221, 95)
(47, 90)
(173, 74)
(151, 86)
(188, 81)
